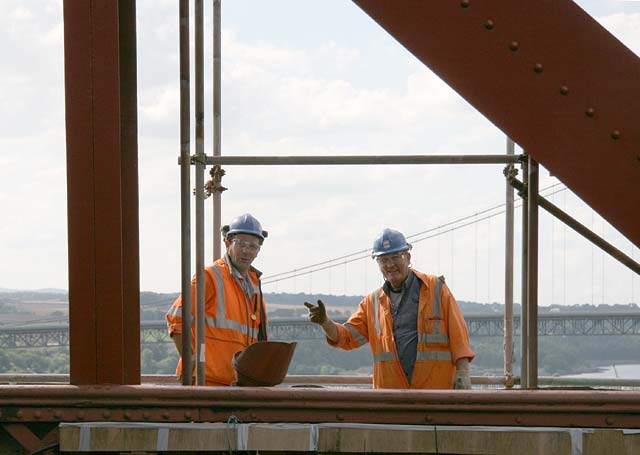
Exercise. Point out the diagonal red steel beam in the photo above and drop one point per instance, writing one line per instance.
(100, 87)
(549, 76)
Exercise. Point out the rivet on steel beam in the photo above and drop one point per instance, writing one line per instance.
(518, 419)
(427, 418)
(514, 46)
(615, 134)
(165, 415)
(57, 415)
(20, 414)
(106, 414)
(489, 24)
(564, 90)
(37, 415)
(339, 417)
(608, 421)
(187, 415)
(590, 112)
(145, 415)
(538, 68)
(80, 416)
(465, 3)
(127, 415)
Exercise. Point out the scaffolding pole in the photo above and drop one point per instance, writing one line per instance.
(532, 275)
(508, 276)
(217, 130)
(345, 160)
(199, 178)
(524, 307)
(185, 193)
(582, 230)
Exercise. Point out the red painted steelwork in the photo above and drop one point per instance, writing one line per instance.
(130, 225)
(566, 408)
(549, 76)
(101, 191)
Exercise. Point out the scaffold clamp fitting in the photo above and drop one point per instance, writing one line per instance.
(215, 184)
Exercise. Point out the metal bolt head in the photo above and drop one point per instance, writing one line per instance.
(615, 134)
(465, 3)
(518, 419)
(564, 90)
(127, 415)
(608, 421)
(145, 415)
(80, 416)
(106, 414)
(514, 46)
(19, 414)
(165, 415)
(187, 415)
(489, 24)
(590, 112)
(538, 68)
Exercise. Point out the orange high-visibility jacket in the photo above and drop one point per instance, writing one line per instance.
(231, 321)
(442, 337)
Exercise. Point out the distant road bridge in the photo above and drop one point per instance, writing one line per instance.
(480, 325)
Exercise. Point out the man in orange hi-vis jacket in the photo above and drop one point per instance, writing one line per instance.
(235, 314)
(416, 331)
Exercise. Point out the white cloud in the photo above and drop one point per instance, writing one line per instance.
(626, 27)
(318, 97)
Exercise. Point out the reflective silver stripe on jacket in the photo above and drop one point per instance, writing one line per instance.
(376, 307)
(436, 297)
(357, 335)
(436, 336)
(221, 311)
(175, 311)
(221, 321)
(383, 357)
(433, 338)
(436, 305)
(433, 355)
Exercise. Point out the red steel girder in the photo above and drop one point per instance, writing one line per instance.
(31, 436)
(101, 123)
(555, 408)
(549, 76)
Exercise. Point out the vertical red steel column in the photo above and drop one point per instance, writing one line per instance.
(101, 123)
(129, 181)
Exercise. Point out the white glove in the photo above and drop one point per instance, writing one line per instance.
(462, 381)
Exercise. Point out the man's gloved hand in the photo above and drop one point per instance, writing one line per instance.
(462, 381)
(317, 314)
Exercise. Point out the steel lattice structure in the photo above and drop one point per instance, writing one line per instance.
(573, 324)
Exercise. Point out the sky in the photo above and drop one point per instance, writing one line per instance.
(298, 78)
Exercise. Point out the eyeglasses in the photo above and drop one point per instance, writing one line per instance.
(386, 260)
(243, 244)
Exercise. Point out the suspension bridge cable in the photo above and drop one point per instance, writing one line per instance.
(329, 264)
(269, 278)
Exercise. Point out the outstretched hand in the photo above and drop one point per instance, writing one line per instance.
(317, 314)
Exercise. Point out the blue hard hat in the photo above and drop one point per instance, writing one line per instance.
(388, 242)
(244, 224)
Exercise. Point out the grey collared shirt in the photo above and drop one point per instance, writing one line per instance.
(244, 281)
(404, 308)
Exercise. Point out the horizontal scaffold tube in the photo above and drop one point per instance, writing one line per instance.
(357, 160)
